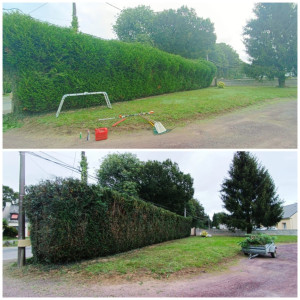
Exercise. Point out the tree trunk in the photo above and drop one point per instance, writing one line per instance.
(281, 81)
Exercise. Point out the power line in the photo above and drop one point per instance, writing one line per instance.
(113, 6)
(37, 8)
(60, 163)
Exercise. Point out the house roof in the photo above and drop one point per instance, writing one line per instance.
(289, 210)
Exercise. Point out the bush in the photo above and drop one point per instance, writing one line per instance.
(259, 239)
(45, 62)
(72, 221)
(221, 85)
(10, 231)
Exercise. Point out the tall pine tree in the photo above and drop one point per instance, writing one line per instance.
(249, 194)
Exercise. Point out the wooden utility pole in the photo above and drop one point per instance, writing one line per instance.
(21, 231)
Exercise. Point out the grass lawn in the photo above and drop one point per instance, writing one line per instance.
(178, 257)
(176, 109)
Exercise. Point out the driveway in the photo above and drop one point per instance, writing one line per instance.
(9, 253)
(258, 277)
(270, 125)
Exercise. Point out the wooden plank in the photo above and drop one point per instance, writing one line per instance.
(24, 243)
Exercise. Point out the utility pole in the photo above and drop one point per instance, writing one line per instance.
(21, 230)
(74, 23)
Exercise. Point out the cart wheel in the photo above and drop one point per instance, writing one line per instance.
(273, 254)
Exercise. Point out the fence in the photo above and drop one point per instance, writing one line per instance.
(224, 232)
(290, 82)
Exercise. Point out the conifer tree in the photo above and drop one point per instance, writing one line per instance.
(249, 194)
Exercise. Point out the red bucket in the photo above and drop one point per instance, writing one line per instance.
(101, 134)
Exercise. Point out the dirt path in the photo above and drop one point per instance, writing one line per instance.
(272, 124)
(259, 277)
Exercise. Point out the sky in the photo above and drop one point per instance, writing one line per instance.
(208, 168)
(97, 18)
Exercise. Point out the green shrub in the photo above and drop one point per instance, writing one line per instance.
(45, 62)
(256, 239)
(10, 231)
(221, 85)
(72, 221)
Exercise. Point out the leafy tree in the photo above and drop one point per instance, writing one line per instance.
(120, 172)
(178, 31)
(218, 218)
(249, 195)
(182, 32)
(271, 41)
(163, 184)
(134, 25)
(9, 195)
(227, 61)
(195, 210)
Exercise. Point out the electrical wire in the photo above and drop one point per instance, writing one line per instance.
(37, 8)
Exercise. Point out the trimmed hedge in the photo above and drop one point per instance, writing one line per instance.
(46, 61)
(71, 221)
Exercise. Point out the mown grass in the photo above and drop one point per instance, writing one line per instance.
(205, 254)
(176, 258)
(172, 110)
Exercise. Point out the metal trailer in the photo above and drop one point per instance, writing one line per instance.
(256, 250)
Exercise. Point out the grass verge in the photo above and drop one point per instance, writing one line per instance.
(176, 109)
(176, 258)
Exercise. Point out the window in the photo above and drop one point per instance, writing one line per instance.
(14, 216)
(284, 225)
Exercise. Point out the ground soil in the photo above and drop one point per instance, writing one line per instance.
(270, 125)
(259, 277)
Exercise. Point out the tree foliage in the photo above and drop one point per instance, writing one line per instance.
(271, 41)
(179, 31)
(218, 219)
(164, 184)
(249, 195)
(227, 60)
(195, 210)
(161, 183)
(9, 195)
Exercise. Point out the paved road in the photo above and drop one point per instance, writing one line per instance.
(270, 125)
(258, 277)
(9, 253)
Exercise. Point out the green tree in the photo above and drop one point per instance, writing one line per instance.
(120, 172)
(195, 210)
(218, 218)
(9, 195)
(163, 184)
(249, 194)
(182, 32)
(178, 31)
(227, 61)
(134, 25)
(271, 41)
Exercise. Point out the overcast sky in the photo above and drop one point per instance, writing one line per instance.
(96, 18)
(208, 168)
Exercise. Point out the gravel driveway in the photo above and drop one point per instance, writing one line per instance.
(258, 277)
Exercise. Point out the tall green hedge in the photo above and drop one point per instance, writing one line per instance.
(46, 61)
(71, 221)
